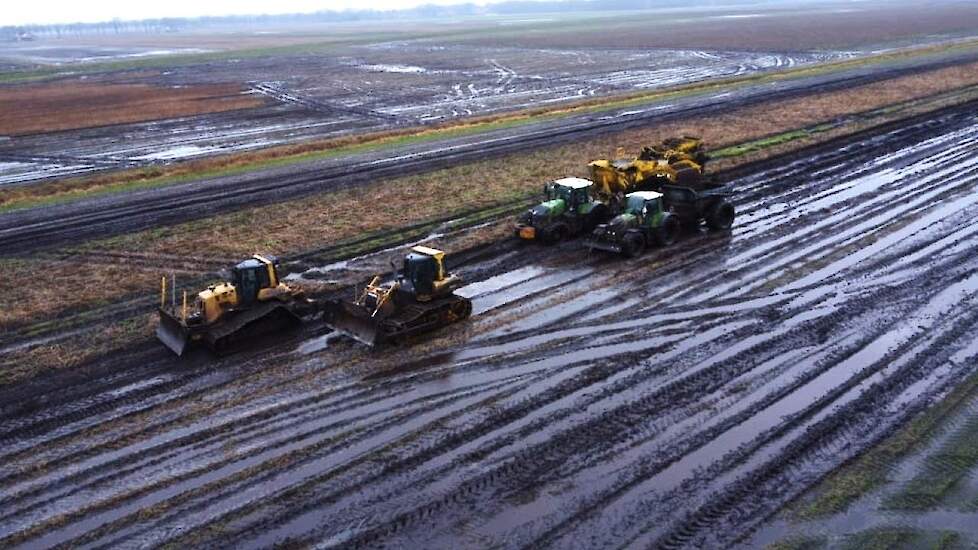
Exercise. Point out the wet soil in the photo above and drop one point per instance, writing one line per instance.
(675, 400)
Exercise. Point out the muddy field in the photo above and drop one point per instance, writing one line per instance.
(43, 108)
(373, 87)
(678, 399)
(353, 79)
(829, 26)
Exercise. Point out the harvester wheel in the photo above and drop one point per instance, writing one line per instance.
(721, 217)
(633, 245)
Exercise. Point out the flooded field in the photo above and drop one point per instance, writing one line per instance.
(678, 399)
(58, 54)
(363, 88)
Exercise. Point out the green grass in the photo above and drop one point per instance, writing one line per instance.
(902, 538)
(871, 470)
(941, 472)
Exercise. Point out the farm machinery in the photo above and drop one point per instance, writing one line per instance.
(575, 206)
(569, 210)
(655, 218)
(627, 206)
(677, 161)
(420, 299)
(643, 222)
(252, 303)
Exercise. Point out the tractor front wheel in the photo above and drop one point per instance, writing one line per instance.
(633, 245)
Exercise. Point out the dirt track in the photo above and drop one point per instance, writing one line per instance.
(674, 400)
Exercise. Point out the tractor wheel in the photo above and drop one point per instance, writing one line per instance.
(721, 217)
(633, 245)
(599, 214)
(557, 234)
(668, 232)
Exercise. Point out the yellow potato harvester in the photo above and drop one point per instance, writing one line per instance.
(678, 161)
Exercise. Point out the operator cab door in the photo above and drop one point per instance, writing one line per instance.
(421, 272)
(246, 281)
(650, 210)
(579, 198)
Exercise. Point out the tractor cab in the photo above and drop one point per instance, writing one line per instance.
(643, 204)
(423, 274)
(573, 191)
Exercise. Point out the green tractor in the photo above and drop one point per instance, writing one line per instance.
(643, 222)
(570, 210)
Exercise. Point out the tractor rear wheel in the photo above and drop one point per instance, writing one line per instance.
(557, 234)
(721, 217)
(633, 245)
(668, 232)
(598, 215)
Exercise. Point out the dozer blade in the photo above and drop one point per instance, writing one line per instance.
(353, 321)
(172, 334)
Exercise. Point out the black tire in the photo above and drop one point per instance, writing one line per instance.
(633, 245)
(668, 232)
(557, 234)
(721, 217)
(599, 215)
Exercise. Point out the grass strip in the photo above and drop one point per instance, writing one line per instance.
(774, 140)
(871, 470)
(941, 472)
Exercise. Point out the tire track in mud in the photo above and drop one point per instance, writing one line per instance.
(693, 381)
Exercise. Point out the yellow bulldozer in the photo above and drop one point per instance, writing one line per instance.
(421, 298)
(677, 161)
(254, 302)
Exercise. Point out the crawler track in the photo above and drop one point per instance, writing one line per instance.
(675, 400)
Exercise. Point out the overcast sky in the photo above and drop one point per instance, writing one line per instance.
(21, 12)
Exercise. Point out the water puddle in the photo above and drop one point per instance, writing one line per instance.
(316, 344)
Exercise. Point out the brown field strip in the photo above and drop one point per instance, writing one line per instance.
(69, 105)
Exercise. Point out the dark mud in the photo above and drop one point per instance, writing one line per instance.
(675, 400)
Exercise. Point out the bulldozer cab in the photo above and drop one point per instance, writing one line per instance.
(423, 267)
(252, 275)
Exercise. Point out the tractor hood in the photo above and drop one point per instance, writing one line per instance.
(616, 227)
(555, 207)
(623, 222)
